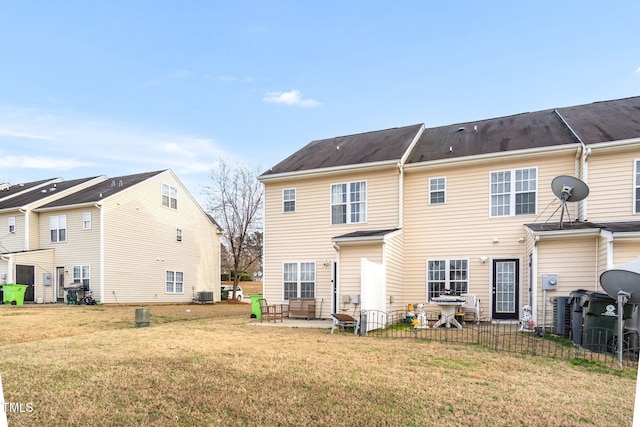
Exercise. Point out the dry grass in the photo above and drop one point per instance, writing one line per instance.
(90, 366)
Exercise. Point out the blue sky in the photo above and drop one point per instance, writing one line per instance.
(119, 87)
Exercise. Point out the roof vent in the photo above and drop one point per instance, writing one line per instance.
(120, 183)
(4, 186)
(460, 129)
(337, 148)
(113, 183)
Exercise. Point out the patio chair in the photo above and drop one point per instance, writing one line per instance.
(471, 306)
(341, 321)
(270, 312)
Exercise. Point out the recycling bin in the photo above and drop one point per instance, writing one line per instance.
(600, 321)
(13, 294)
(575, 302)
(255, 306)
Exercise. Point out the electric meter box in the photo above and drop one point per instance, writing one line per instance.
(550, 282)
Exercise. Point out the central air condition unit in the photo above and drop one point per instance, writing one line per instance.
(562, 316)
(205, 297)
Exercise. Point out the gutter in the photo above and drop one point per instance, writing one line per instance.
(327, 171)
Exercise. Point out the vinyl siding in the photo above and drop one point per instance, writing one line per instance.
(462, 227)
(11, 242)
(349, 280)
(305, 235)
(625, 251)
(394, 263)
(611, 185)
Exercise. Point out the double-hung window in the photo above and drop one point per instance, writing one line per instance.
(58, 228)
(174, 282)
(86, 220)
(169, 196)
(437, 187)
(289, 200)
(447, 276)
(513, 192)
(349, 202)
(82, 274)
(636, 188)
(299, 280)
(178, 234)
(12, 224)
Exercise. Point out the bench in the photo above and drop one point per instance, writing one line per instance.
(302, 307)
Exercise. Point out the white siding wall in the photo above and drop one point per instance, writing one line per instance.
(305, 235)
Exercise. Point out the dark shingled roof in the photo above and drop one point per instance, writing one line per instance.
(614, 227)
(366, 233)
(39, 193)
(605, 121)
(378, 146)
(18, 188)
(519, 132)
(102, 190)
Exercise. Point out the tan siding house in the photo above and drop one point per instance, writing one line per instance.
(131, 239)
(465, 208)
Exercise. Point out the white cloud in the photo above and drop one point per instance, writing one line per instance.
(638, 70)
(42, 162)
(293, 97)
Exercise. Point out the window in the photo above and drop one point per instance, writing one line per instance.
(174, 283)
(513, 192)
(86, 220)
(437, 188)
(299, 279)
(178, 235)
(58, 228)
(636, 188)
(169, 196)
(349, 203)
(12, 224)
(82, 274)
(447, 276)
(289, 200)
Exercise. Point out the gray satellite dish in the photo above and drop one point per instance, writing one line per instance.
(568, 189)
(624, 286)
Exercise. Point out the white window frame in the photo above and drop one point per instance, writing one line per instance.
(440, 184)
(636, 186)
(178, 234)
(58, 225)
(12, 224)
(352, 199)
(173, 282)
(289, 200)
(86, 220)
(448, 274)
(299, 279)
(169, 196)
(82, 274)
(503, 193)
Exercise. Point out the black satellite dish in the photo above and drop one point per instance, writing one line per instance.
(623, 286)
(568, 189)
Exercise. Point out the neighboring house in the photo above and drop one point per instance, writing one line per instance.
(130, 239)
(382, 219)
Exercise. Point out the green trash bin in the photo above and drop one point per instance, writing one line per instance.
(13, 294)
(255, 306)
(600, 321)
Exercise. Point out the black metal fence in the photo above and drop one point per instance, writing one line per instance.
(593, 344)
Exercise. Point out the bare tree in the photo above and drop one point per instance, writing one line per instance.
(235, 201)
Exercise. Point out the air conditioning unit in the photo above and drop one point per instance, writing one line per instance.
(204, 297)
(562, 316)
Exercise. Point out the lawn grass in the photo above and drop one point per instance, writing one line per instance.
(79, 365)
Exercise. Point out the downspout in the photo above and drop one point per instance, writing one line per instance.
(400, 193)
(101, 246)
(9, 262)
(534, 276)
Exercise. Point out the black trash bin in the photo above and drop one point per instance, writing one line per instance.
(575, 302)
(600, 321)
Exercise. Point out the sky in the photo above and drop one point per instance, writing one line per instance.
(117, 87)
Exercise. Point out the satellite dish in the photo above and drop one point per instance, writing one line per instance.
(568, 189)
(624, 286)
(614, 281)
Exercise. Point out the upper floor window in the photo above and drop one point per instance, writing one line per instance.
(513, 192)
(349, 202)
(447, 276)
(12, 224)
(437, 187)
(86, 220)
(82, 274)
(178, 234)
(636, 188)
(289, 200)
(169, 196)
(299, 279)
(174, 282)
(58, 228)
